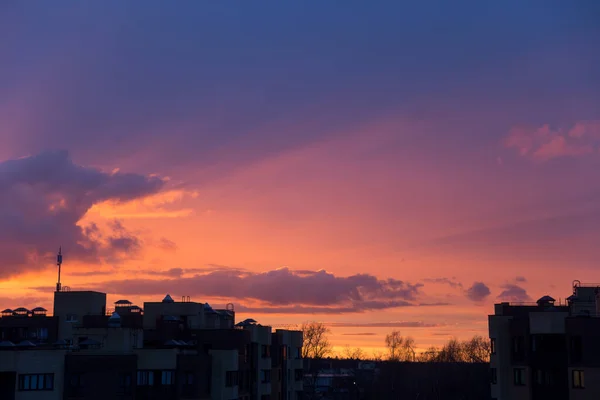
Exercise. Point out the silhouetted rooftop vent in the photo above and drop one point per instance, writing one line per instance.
(172, 343)
(8, 311)
(22, 311)
(168, 299)
(40, 311)
(6, 343)
(25, 343)
(123, 303)
(60, 342)
(545, 301)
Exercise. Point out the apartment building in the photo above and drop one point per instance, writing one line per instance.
(547, 350)
(164, 350)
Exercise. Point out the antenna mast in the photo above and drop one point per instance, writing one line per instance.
(58, 264)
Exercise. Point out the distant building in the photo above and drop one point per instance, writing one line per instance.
(166, 350)
(546, 350)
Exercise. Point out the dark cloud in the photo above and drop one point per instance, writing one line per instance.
(478, 291)
(42, 199)
(316, 291)
(173, 272)
(392, 324)
(447, 281)
(167, 245)
(88, 273)
(27, 302)
(360, 334)
(520, 279)
(514, 293)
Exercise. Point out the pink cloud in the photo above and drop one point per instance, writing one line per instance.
(545, 143)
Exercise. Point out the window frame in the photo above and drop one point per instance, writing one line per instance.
(580, 373)
(493, 376)
(147, 377)
(27, 378)
(520, 372)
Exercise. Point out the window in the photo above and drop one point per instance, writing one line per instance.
(145, 378)
(578, 379)
(576, 348)
(36, 382)
(298, 352)
(188, 378)
(231, 378)
(167, 377)
(265, 375)
(493, 345)
(124, 383)
(517, 344)
(71, 318)
(299, 374)
(519, 376)
(493, 376)
(279, 374)
(284, 352)
(543, 377)
(42, 333)
(76, 381)
(534, 343)
(265, 351)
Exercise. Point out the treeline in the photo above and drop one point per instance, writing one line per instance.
(398, 348)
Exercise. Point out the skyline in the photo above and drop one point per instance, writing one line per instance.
(384, 166)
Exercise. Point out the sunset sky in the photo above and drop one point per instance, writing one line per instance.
(374, 165)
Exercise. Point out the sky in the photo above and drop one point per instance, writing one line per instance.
(371, 165)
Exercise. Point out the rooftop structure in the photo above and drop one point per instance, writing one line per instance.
(545, 350)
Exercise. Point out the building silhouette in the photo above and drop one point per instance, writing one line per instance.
(547, 350)
(164, 350)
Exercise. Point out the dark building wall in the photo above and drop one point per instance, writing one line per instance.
(431, 381)
(18, 328)
(100, 377)
(193, 376)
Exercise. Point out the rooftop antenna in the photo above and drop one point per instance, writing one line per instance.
(58, 264)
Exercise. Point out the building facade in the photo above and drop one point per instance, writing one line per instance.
(547, 350)
(166, 350)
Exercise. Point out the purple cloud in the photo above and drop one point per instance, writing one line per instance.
(446, 281)
(42, 199)
(478, 291)
(513, 292)
(284, 288)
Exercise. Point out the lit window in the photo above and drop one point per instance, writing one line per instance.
(578, 379)
(145, 378)
(36, 382)
(519, 376)
(168, 378)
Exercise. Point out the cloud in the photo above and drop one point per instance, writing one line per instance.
(514, 293)
(44, 197)
(360, 334)
(392, 324)
(447, 281)
(167, 245)
(283, 288)
(478, 291)
(545, 143)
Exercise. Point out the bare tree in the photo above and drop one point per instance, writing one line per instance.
(400, 348)
(355, 353)
(477, 349)
(316, 341)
